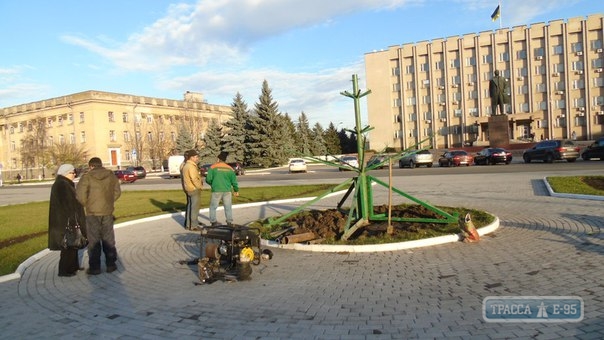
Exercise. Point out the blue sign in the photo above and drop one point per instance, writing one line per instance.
(532, 309)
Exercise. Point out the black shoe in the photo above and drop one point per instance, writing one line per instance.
(111, 269)
(67, 274)
(81, 268)
(215, 224)
(90, 271)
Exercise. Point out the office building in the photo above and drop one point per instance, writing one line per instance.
(438, 91)
(121, 129)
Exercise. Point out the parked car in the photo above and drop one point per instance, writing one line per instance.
(415, 159)
(491, 156)
(376, 159)
(552, 150)
(347, 162)
(297, 165)
(203, 169)
(139, 171)
(125, 176)
(455, 158)
(238, 167)
(596, 150)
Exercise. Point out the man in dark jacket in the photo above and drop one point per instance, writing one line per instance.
(222, 178)
(498, 91)
(98, 190)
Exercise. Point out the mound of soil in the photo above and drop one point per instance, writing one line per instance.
(329, 225)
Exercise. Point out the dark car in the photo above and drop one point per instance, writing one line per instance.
(125, 176)
(455, 158)
(139, 171)
(493, 156)
(376, 159)
(238, 167)
(203, 169)
(552, 150)
(596, 150)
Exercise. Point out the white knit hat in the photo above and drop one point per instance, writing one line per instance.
(64, 169)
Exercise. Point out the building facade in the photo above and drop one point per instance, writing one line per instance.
(437, 92)
(121, 129)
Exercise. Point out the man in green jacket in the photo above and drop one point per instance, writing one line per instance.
(97, 191)
(222, 178)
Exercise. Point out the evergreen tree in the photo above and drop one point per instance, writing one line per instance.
(184, 140)
(332, 140)
(317, 146)
(265, 147)
(303, 136)
(285, 132)
(212, 139)
(235, 131)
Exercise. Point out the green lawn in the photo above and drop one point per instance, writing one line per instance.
(583, 185)
(24, 227)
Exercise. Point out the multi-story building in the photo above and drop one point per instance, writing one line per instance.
(438, 90)
(121, 129)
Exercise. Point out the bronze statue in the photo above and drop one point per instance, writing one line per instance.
(498, 91)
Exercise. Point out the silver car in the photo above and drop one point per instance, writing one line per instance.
(415, 159)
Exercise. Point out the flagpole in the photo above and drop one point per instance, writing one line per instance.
(500, 25)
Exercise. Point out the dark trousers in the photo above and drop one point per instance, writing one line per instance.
(101, 239)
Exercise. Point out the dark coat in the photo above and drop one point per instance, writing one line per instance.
(498, 90)
(63, 205)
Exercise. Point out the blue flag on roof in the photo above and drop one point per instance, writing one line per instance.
(495, 14)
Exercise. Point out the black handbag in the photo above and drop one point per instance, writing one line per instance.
(73, 237)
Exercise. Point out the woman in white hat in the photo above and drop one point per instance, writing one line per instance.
(64, 209)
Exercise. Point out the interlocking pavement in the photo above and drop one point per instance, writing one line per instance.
(545, 246)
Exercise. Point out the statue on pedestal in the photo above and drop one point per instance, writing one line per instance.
(498, 91)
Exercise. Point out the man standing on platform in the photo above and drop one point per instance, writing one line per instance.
(498, 91)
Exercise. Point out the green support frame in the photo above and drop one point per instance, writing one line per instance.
(360, 212)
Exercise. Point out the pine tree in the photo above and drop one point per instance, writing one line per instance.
(235, 131)
(265, 146)
(332, 140)
(212, 141)
(317, 146)
(184, 140)
(303, 136)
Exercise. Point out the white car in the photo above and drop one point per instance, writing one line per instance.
(297, 165)
(348, 161)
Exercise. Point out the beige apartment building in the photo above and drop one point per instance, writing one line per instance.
(111, 126)
(439, 90)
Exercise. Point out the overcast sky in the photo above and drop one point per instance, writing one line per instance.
(306, 50)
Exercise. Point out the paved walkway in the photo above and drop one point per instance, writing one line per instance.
(545, 246)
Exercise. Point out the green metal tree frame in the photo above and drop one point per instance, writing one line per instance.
(361, 212)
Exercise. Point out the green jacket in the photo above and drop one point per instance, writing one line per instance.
(97, 191)
(222, 178)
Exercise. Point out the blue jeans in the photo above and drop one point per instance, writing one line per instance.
(192, 212)
(227, 202)
(101, 237)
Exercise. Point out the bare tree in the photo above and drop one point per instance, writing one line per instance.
(68, 153)
(33, 146)
(159, 146)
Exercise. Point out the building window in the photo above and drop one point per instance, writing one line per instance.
(112, 135)
(60, 120)
(395, 87)
(521, 54)
(576, 47)
(125, 117)
(72, 138)
(471, 61)
(161, 136)
(579, 102)
(173, 135)
(577, 66)
(454, 63)
(596, 44)
(599, 82)
(523, 89)
(149, 136)
(13, 146)
(560, 104)
(426, 100)
(126, 136)
(149, 118)
(412, 117)
(83, 137)
(457, 113)
(409, 69)
(473, 112)
(540, 70)
(439, 65)
(51, 140)
(428, 115)
(473, 94)
(410, 101)
(61, 139)
(580, 121)
(425, 67)
(128, 155)
(541, 87)
(560, 86)
(578, 84)
(558, 68)
(70, 118)
(82, 117)
(487, 59)
(110, 116)
(543, 105)
(599, 101)
(504, 56)
(558, 49)
(524, 107)
(396, 102)
(410, 85)
(396, 71)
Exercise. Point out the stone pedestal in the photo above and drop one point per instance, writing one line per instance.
(499, 131)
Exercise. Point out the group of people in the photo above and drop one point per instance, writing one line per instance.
(223, 183)
(90, 205)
